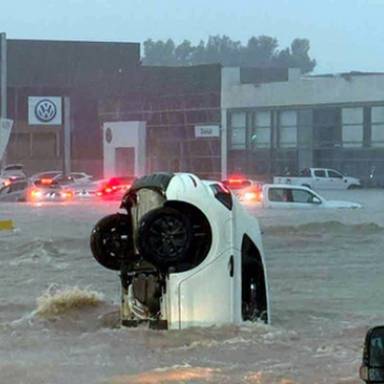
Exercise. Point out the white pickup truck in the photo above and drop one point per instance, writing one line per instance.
(293, 196)
(320, 178)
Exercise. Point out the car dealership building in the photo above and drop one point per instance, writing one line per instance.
(92, 106)
(287, 124)
(72, 101)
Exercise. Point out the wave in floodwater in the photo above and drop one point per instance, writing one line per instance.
(334, 227)
(187, 373)
(56, 302)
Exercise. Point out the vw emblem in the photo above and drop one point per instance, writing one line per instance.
(108, 135)
(45, 110)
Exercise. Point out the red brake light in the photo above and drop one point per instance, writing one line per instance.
(236, 181)
(46, 181)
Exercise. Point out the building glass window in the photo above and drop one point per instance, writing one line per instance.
(288, 129)
(377, 128)
(238, 129)
(352, 127)
(261, 130)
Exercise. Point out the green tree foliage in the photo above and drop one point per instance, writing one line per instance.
(261, 51)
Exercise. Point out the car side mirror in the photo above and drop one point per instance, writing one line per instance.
(316, 200)
(372, 368)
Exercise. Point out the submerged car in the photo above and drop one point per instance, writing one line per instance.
(36, 194)
(246, 190)
(11, 173)
(115, 187)
(292, 196)
(58, 177)
(320, 178)
(188, 254)
(14, 190)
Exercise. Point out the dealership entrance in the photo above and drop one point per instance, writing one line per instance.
(124, 148)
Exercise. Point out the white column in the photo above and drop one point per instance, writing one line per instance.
(67, 135)
(224, 144)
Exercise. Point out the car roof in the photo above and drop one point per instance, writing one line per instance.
(13, 167)
(289, 186)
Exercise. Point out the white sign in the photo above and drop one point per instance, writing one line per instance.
(207, 131)
(5, 133)
(44, 110)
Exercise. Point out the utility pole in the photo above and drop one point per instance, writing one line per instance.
(3, 87)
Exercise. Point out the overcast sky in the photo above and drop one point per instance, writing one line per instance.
(344, 34)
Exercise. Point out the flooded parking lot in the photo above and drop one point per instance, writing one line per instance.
(325, 275)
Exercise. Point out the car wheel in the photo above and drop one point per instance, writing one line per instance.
(111, 241)
(164, 237)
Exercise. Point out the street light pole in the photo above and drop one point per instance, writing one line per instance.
(3, 75)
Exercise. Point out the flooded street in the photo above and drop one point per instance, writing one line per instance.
(57, 321)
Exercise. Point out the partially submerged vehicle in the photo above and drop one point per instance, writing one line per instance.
(14, 190)
(187, 252)
(291, 196)
(320, 178)
(45, 193)
(244, 189)
(10, 173)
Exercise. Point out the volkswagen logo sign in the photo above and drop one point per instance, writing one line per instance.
(108, 135)
(45, 110)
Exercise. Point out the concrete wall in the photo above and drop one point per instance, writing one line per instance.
(300, 91)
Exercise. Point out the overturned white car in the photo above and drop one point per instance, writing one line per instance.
(187, 252)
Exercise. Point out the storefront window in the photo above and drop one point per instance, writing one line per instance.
(352, 127)
(288, 129)
(238, 129)
(261, 131)
(377, 128)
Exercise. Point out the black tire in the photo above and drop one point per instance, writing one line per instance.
(164, 237)
(111, 241)
(354, 186)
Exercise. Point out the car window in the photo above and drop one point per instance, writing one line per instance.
(335, 174)
(305, 172)
(48, 175)
(319, 173)
(278, 195)
(77, 175)
(64, 179)
(301, 196)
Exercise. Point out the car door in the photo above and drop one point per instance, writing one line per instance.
(278, 197)
(336, 179)
(320, 179)
(302, 198)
